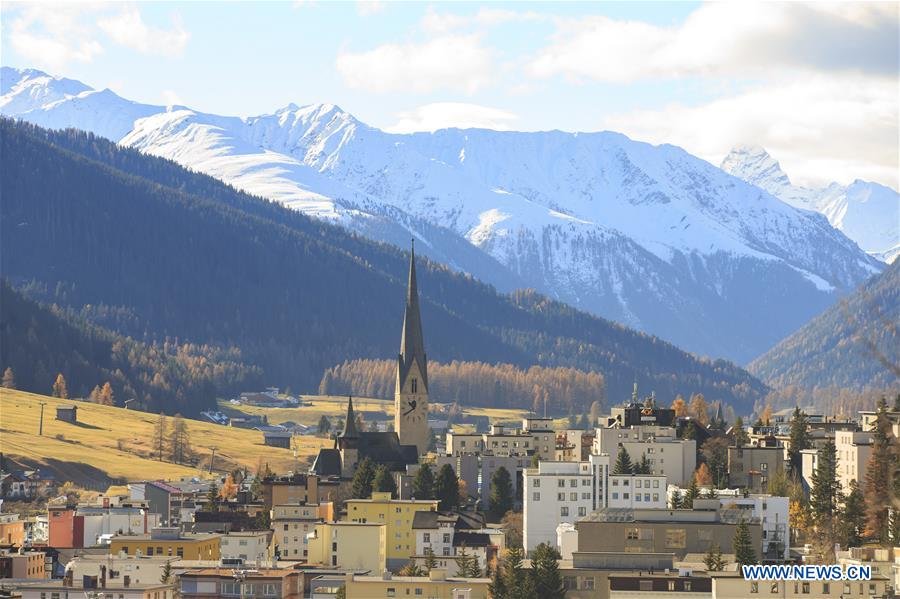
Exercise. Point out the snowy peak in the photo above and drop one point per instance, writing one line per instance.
(868, 213)
(27, 89)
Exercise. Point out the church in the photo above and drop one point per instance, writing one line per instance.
(411, 435)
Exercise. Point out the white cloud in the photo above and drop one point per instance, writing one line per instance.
(127, 28)
(436, 22)
(727, 39)
(51, 35)
(821, 128)
(450, 62)
(369, 7)
(444, 115)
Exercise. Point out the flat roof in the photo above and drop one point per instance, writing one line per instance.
(248, 572)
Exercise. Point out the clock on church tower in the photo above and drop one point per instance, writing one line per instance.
(411, 391)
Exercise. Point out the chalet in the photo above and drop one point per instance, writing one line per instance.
(67, 414)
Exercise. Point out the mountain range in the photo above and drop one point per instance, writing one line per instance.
(175, 259)
(868, 213)
(649, 236)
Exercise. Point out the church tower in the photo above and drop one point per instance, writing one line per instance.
(411, 391)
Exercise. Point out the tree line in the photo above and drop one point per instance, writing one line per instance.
(561, 389)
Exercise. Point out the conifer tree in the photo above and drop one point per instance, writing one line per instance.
(713, 559)
(324, 427)
(799, 439)
(545, 571)
(501, 493)
(446, 488)
(9, 379)
(825, 496)
(423, 482)
(430, 559)
(643, 465)
(212, 498)
(361, 487)
(741, 437)
(623, 463)
(159, 435)
(744, 553)
(497, 586)
(59, 387)
(853, 517)
(675, 502)
(879, 475)
(466, 564)
(166, 576)
(383, 482)
(518, 583)
(693, 493)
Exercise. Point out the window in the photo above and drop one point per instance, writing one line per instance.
(582, 512)
(826, 588)
(588, 584)
(570, 583)
(646, 496)
(536, 496)
(427, 537)
(560, 483)
(675, 538)
(615, 495)
(764, 466)
(637, 497)
(446, 551)
(391, 592)
(446, 537)
(573, 483)
(573, 496)
(414, 385)
(537, 482)
(632, 534)
(564, 511)
(687, 585)
(671, 585)
(656, 497)
(655, 484)
(637, 483)
(418, 590)
(560, 496)
(625, 496)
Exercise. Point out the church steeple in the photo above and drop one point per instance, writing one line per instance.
(412, 344)
(350, 431)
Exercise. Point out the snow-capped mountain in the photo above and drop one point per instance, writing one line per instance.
(866, 212)
(647, 235)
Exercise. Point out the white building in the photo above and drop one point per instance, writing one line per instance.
(446, 533)
(773, 515)
(120, 570)
(553, 493)
(251, 546)
(114, 517)
(567, 540)
(636, 491)
(291, 524)
(668, 455)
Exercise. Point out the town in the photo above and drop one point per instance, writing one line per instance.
(646, 500)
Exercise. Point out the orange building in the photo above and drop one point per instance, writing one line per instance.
(12, 530)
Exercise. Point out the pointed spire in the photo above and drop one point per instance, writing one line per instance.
(350, 423)
(412, 344)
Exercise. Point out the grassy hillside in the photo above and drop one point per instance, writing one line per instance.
(114, 444)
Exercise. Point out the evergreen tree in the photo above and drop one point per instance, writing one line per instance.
(643, 466)
(713, 559)
(213, 499)
(446, 488)
(497, 586)
(744, 553)
(741, 438)
(693, 493)
(324, 426)
(361, 487)
(712, 493)
(501, 493)
(584, 423)
(825, 496)
(623, 463)
(166, 576)
(423, 482)
(9, 379)
(466, 564)
(675, 502)
(799, 439)
(545, 571)
(59, 387)
(853, 517)
(880, 471)
(383, 482)
(518, 583)
(159, 435)
(411, 569)
(430, 560)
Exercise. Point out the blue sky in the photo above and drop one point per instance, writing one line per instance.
(815, 85)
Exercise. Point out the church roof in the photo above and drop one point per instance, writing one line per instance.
(412, 344)
(327, 463)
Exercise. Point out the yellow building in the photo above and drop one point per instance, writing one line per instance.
(397, 515)
(169, 541)
(350, 545)
(434, 586)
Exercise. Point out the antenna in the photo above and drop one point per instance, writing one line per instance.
(212, 458)
(41, 423)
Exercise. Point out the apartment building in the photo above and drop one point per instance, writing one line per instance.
(555, 492)
(636, 491)
(58, 589)
(397, 515)
(121, 570)
(169, 541)
(22, 564)
(669, 456)
(752, 467)
(445, 534)
(293, 488)
(437, 585)
(12, 530)
(268, 583)
(349, 545)
(853, 450)
(247, 546)
(292, 523)
(733, 586)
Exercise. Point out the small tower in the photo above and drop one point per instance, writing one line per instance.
(348, 443)
(411, 391)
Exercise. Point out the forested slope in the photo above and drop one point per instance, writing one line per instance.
(152, 250)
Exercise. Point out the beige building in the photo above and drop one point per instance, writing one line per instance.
(752, 467)
(733, 586)
(121, 570)
(57, 590)
(678, 532)
(668, 455)
(292, 523)
(250, 546)
(397, 515)
(349, 545)
(434, 586)
(853, 450)
(24, 564)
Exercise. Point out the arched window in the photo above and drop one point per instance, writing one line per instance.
(413, 385)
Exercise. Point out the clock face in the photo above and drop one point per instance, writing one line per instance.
(411, 408)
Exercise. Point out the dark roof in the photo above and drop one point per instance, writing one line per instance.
(471, 539)
(384, 448)
(412, 344)
(462, 521)
(327, 463)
